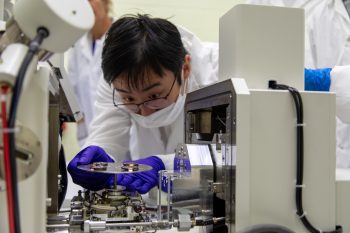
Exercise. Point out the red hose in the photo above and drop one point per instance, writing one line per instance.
(8, 177)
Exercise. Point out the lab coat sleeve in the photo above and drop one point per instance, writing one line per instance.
(340, 84)
(110, 128)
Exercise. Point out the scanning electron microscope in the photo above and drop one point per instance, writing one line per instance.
(258, 155)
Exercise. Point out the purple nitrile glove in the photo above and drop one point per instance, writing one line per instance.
(141, 182)
(90, 180)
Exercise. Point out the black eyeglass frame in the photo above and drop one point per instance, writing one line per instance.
(147, 101)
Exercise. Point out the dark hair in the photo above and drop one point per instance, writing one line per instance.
(138, 44)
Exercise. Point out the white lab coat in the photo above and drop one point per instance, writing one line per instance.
(122, 138)
(329, 40)
(327, 44)
(84, 72)
(308, 5)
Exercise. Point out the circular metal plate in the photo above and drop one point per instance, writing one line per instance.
(113, 168)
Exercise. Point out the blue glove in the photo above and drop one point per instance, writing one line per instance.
(317, 79)
(142, 182)
(90, 180)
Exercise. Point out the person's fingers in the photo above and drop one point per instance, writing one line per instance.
(134, 185)
(144, 188)
(127, 179)
(91, 181)
(83, 160)
(148, 177)
(101, 156)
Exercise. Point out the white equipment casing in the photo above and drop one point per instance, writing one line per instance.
(32, 113)
(66, 20)
(252, 49)
(266, 159)
(10, 64)
(258, 44)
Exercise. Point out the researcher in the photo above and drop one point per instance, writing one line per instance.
(149, 65)
(84, 65)
(327, 59)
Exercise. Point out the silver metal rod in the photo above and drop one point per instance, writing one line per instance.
(57, 226)
(168, 208)
(127, 224)
(160, 173)
(131, 224)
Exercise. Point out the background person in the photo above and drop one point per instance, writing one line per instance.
(84, 66)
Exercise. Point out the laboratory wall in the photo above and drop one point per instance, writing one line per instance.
(199, 16)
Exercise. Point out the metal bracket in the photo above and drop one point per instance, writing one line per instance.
(216, 187)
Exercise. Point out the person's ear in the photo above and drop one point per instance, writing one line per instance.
(187, 66)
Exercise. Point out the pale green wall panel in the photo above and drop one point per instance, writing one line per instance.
(199, 16)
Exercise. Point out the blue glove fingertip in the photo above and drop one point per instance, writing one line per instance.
(135, 185)
(144, 188)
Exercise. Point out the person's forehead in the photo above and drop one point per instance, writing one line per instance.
(149, 78)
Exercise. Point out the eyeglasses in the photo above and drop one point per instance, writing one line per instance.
(156, 103)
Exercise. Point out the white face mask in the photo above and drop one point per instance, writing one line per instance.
(165, 116)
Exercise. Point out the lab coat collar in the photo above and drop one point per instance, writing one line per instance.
(85, 45)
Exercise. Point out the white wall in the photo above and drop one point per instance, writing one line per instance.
(199, 16)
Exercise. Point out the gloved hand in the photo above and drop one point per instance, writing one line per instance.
(141, 182)
(317, 79)
(90, 180)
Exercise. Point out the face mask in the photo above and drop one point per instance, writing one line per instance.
(165, 116)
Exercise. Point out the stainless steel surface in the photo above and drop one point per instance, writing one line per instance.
(90, 226)
(185, 222)
(113, 168)
(216, 187)
(210, 119)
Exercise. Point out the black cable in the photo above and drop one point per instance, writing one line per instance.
(300, 157)
(42, 33)
(64, 177)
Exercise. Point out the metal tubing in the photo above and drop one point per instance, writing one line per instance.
(168, 208)
(160, 173)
